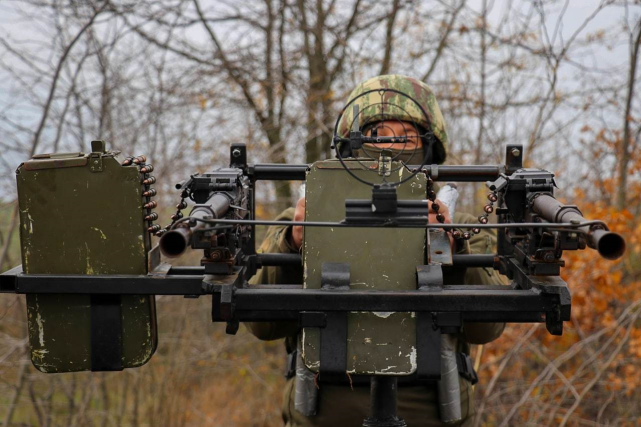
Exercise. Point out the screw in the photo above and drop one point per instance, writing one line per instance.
(516, 152)
(236, 152)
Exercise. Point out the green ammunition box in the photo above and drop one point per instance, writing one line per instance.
(82, 214)
(377, 343)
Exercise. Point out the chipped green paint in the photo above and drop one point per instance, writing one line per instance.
(102, 235)
(74, 221)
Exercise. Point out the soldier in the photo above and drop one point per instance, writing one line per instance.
(342, 403)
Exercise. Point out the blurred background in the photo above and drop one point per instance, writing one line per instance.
(179, 81)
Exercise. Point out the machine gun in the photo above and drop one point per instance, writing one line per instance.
(533, 231)
(223, 194)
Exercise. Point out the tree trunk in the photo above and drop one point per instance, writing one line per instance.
(624, 150)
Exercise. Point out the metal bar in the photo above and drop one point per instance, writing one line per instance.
(186, 271)
(106, 333)
(124, 285)
(463, 173)
(466, 173)
(265, 260)
(383, 403)
(8, 280)
(278, 172)
(476, 302)
(475, 260)
(477, 317)
(471, 300)
(279, 260)
(397, 223)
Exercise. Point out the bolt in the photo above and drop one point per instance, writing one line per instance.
(516, 152)
(236, 152)
(548, 256)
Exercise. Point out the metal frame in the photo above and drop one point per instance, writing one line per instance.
(440, 309)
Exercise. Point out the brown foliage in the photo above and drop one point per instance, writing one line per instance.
(592, 372)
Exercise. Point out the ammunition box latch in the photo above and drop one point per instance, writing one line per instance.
(95, 158)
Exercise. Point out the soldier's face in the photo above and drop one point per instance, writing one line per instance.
(397, 128)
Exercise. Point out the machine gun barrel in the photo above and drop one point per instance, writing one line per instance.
(609, 245)
(176, 241)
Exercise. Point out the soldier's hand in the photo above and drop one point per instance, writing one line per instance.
(297, 230)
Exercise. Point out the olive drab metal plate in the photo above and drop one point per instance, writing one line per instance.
(83, 215)
(379, 259)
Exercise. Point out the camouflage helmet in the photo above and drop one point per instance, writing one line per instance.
(376, 107)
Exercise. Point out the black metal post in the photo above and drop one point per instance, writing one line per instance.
(383, 403)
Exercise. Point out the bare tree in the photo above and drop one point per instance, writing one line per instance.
(626, 140)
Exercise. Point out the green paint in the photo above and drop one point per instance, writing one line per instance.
(74, 221)
(382, 343)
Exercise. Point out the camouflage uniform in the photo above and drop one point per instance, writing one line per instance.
(417, 404)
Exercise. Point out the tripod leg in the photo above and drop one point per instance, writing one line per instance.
(383, 403)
